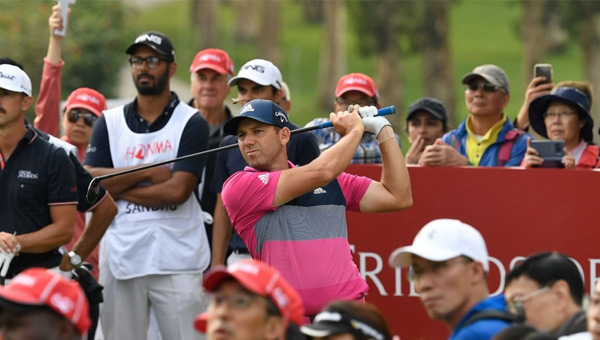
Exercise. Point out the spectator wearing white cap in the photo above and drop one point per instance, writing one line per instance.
(39, 196)
(257, 79)
(448, 263)
(42, 305)
(486, 137)
(352, 89)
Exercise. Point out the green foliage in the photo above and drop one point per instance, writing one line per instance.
(92, 48)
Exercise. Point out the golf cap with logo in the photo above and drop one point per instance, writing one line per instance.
(441, 240)
(264, 111)
(356, 82)
(37, 289)
(491, 73)
(261, 279)
(86, 98)
(212, 59)
(14, 79)
(260, 71)
(156, 41)
(333, 321)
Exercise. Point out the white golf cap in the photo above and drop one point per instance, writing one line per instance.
(441, 240)
(260, 71)
(14, 79)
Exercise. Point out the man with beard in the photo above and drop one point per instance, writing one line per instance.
(155, 251)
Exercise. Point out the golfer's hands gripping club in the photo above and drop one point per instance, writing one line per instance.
(373, 123)
(346, 121)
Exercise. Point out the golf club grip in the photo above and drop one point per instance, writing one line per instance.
(384, 111)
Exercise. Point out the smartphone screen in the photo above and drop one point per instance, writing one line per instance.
(543, 70)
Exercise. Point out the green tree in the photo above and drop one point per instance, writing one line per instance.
(93, 48)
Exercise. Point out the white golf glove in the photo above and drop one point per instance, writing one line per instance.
(373, 123)
(5, 259)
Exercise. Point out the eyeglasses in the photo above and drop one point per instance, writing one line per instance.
(88, 118)
(152, 62)
(416, 273)
(561, 114)
(359, 102)
(515, 304)
(487, 87)
(235, 301)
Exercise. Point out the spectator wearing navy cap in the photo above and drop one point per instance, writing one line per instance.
(349, 320)
(426, 121)
(42, 305)
(486, 137)
(294, 217)
(156, 249)
(564, 114)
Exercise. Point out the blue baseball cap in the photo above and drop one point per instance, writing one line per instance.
(264, 111)
(568, 95)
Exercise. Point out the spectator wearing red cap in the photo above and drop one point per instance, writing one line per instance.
(257, 79)
(210, 71)
(250, 300)
(358, 89)
(38, 196)
(42, 305)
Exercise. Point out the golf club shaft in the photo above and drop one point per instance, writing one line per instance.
(381, 112)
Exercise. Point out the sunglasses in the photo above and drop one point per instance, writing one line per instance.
(152, 62)
(487, 87)
(88, 118)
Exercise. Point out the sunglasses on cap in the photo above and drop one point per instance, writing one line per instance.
(487, 87)
(88, 118)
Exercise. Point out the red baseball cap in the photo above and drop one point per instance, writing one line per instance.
(259, 278)
(356, 82)
(214, 59)
(86, 98)
(38, 287)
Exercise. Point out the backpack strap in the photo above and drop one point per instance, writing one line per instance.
(506, 148)
(491, 314)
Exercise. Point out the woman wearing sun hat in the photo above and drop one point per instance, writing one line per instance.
(564, 114)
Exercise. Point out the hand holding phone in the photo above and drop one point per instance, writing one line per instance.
(543, 70)
(552, 151)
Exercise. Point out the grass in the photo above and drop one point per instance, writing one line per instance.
(482, 32)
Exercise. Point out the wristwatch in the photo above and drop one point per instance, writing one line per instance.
(75, 259)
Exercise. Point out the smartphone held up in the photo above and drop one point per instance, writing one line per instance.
(543, 70)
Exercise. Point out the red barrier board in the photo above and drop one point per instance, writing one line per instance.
(519, 212)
